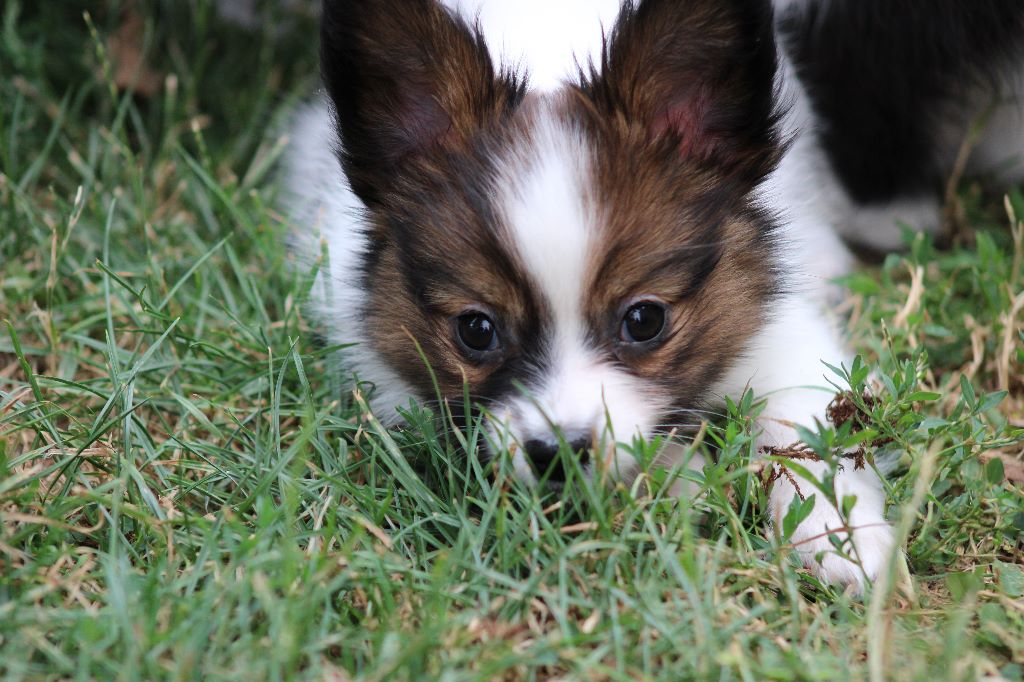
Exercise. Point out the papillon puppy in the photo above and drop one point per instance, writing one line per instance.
(599, 218)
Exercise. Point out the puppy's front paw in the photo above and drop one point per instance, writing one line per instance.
(869, 552)
(866, 540)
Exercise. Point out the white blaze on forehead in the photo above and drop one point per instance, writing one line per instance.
(549, 206)
(543, 195)
(553, 228)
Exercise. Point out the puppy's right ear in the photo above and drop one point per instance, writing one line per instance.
(407, 79)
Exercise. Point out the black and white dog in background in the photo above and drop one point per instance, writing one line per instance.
(605, 216)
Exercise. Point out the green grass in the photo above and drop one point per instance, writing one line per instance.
(187, 491)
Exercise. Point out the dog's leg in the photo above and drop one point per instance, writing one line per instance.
(785, 367)
(862, 556)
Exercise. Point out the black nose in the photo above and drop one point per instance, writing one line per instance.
(543, 455)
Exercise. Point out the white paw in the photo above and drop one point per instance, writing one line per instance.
(869, 552)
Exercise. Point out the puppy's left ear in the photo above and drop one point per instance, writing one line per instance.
(699, 75)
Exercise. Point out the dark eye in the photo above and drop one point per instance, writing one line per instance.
(643, 322)
(476, 332)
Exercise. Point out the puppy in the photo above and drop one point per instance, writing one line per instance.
(604, 217)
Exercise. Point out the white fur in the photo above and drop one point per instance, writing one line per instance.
(811, 202)
(881, 226)
(782, 6)
(542, 191)
(547, 37)
(327, 212)
(784, 365)
(873, 541)
(1001, 147)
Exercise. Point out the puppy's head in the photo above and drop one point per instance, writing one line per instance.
(587, 262)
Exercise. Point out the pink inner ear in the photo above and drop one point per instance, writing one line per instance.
(686, 117)
(421, 123)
